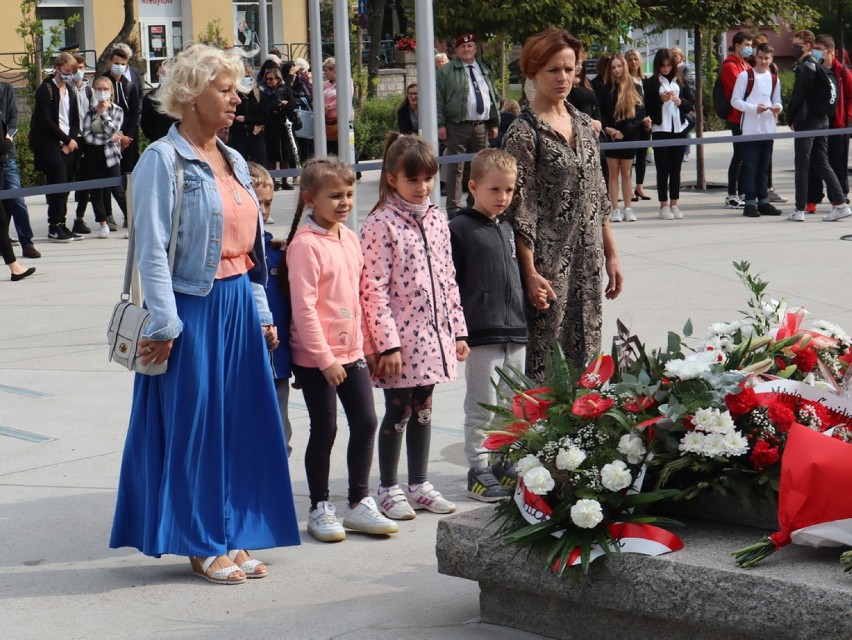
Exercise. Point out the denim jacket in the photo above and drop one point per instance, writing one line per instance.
(199, 244)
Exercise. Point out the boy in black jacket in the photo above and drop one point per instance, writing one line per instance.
(489, 280)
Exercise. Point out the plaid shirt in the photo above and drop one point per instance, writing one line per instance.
(110, 124)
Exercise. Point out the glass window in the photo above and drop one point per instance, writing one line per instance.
(54, 20)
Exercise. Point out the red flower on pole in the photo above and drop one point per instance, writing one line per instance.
(531, 405)
(507, 436)
(598, 372)
(591, 405)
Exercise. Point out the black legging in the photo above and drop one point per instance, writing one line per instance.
(6, 249)
(95, 167)
(356, 396)
(399, 405)
(642, 159)
(668, 161)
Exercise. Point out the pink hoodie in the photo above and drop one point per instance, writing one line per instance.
(324, 275)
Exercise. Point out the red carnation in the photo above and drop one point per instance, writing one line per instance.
(763, 455)
(782, 416)
(591, 405)
(806, 360)
(532, 405)
(741, 403)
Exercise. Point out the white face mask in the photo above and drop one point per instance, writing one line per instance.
(103, 96)
(247, 81)
(118, 69)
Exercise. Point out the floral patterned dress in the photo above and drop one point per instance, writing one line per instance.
(558, 211)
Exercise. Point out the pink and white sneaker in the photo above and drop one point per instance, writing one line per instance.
(392, 503)
(425, 496)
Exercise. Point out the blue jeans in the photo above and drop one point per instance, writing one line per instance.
(755, 172)
(16, 207)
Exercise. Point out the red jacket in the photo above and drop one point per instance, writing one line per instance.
(731, 68)
(843, 114)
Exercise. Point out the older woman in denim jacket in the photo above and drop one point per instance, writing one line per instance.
(204, 472)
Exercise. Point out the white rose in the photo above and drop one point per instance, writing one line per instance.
(526, 463)
(615, 476)
(539, 481)
(632, 447)
(587, 514)
(570, 458)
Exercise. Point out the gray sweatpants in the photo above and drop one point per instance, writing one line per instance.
(479, 371)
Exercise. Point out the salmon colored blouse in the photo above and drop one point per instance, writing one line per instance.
(239, 214)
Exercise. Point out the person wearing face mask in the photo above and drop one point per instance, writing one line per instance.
(732, 67)
(808, 110)
(127, 97)
(54, 129)
(246, 133)
(102, 150)
(85, 100)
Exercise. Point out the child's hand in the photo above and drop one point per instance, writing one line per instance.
(335, 374)
(372, 361)
(389, 365)
(462, 350)
(270, 334)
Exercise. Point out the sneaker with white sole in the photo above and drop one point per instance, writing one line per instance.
(103, 232)
(615, 216)
(365, 517)
(797, 216)
(629, 215)
(393, 504)
(733, 202)
(425, 496)
(676, 212)
(323, 524)
(484, 486)
(838, 212)
(776, 197)
(666, 213)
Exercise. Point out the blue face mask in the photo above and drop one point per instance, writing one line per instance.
(247, 81)
(817, 54)
(118, 69)
(746, 52)
(78, 75)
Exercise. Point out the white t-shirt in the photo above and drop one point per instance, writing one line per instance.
(761, 93)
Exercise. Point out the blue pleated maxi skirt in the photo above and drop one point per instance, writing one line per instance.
(205, 464)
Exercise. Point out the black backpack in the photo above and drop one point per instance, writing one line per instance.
(721, 102)
(823, 98)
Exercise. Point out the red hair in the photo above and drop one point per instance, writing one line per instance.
(541, 47)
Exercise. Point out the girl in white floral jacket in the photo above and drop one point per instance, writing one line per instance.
(414, 323)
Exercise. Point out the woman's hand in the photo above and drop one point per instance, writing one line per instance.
(676, 100)
(270, 334)
(614, 278)
(155, 351)
(335, 374)
(540, 291)
(389, 365)
(665, 97)
(462, 350)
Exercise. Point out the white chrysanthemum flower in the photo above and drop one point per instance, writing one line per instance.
(723, 328)
(615, 476)
(570, 458)
(692, 366)
(539, 481)
(713, 421)
(526, 463)
(632, 448)
(714, 445)
(735, 444)
(587, 514)
(832, 330)
(692, 442)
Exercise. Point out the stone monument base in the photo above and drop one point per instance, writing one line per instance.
(694, 594)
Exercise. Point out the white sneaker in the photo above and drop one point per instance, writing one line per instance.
(323, 524)
(615, 216)
(103, 232)
(393, 504)
(734, 202)
(666, 213)
(797, 216)
(838, 212)
(428, 497)
(366, 518)
(676, 212)
(774, 196)
(629, 215)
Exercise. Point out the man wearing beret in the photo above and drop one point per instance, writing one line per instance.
(468, 113)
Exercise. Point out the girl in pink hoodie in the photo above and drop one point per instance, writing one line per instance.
(413, 317)
(323, 269)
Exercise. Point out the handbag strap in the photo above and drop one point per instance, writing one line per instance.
(131, 249)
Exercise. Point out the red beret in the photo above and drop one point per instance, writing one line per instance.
(467, 37)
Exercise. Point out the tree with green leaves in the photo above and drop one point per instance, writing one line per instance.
(718, 16)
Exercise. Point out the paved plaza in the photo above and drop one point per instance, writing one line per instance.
(64, 413)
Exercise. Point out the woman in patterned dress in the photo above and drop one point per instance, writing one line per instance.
(559, 210)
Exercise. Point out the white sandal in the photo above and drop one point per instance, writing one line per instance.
(250, 566)
(220, 576)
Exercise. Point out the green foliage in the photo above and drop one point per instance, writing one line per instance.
(212, 34)
(35, 58)
(26, 165)
(372, 122)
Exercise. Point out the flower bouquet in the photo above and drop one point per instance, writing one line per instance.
(580, 453)
(405, 43)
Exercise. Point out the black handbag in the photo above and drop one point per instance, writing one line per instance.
(128, 321)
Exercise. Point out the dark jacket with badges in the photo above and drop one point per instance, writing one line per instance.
(489, 279)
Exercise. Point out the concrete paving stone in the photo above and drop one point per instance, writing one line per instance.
(59, 579)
